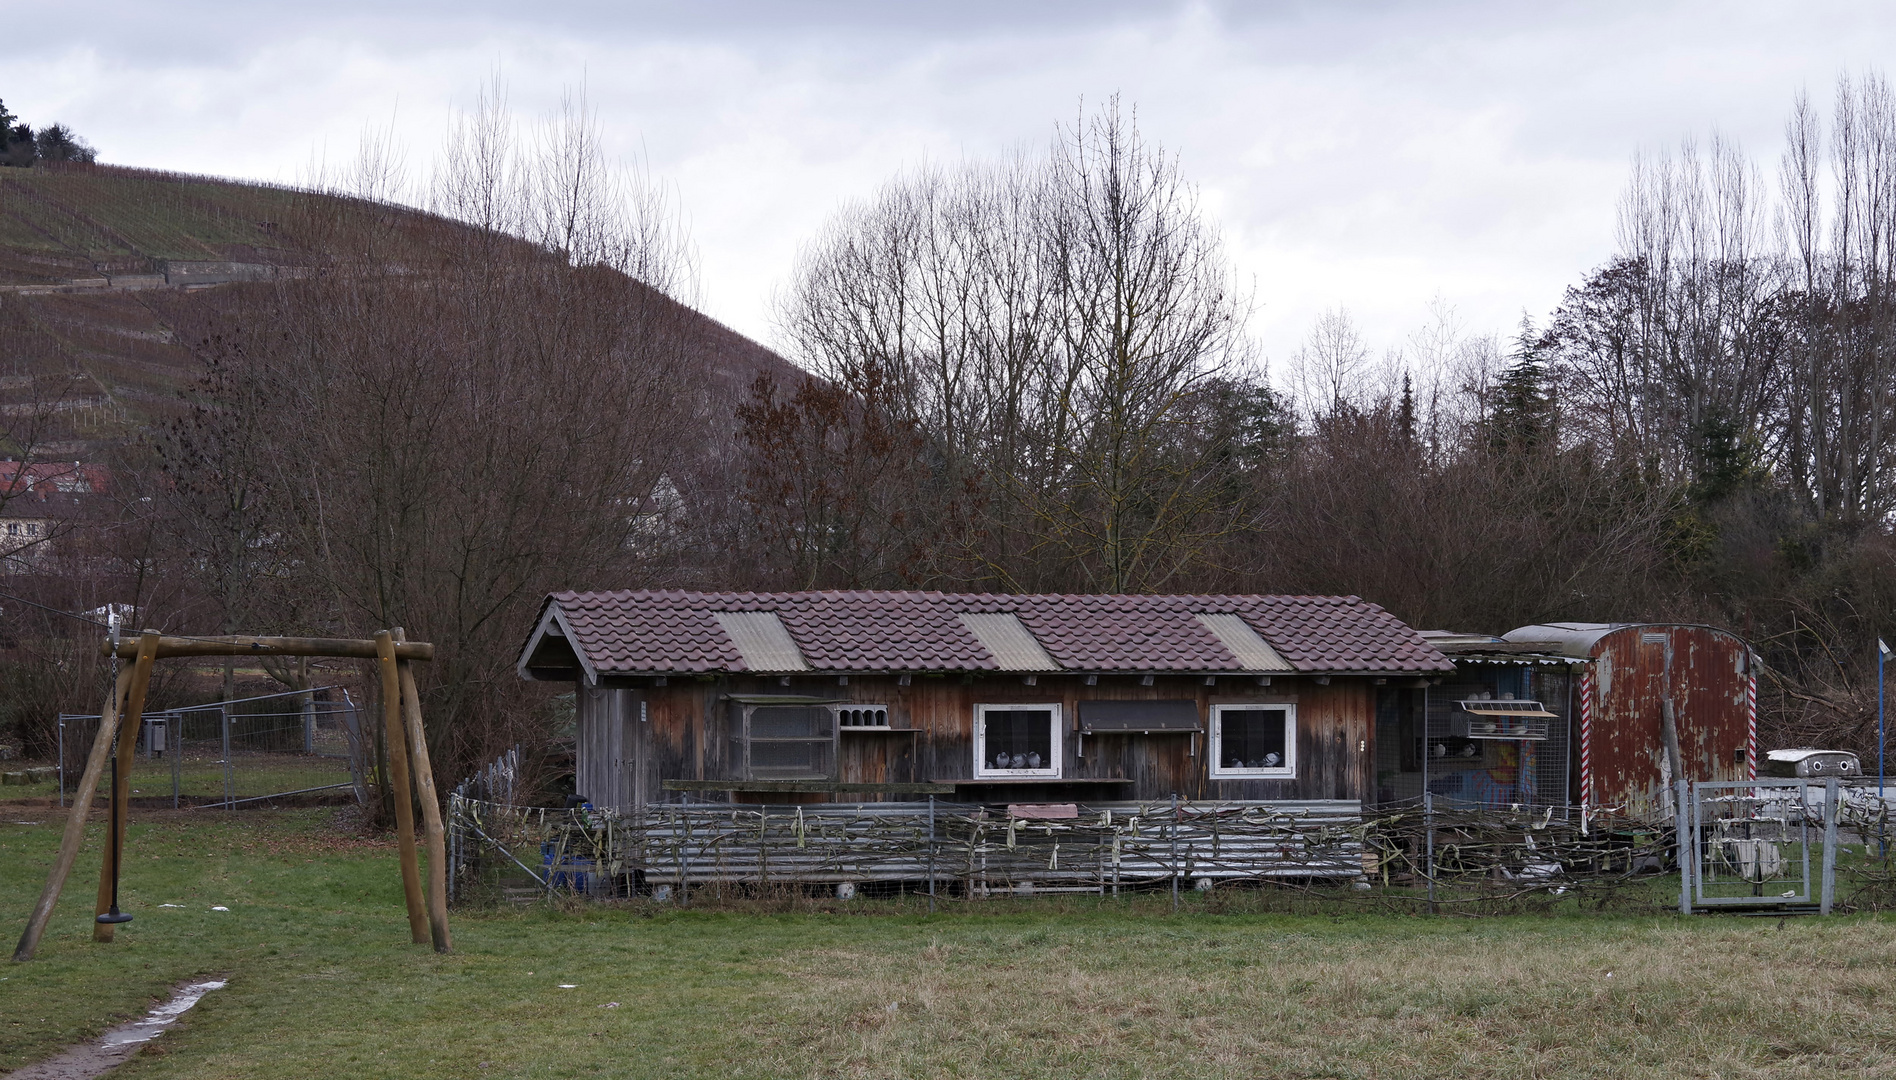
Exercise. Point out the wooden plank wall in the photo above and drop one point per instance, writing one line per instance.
(686, 734)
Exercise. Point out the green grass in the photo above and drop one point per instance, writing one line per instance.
(202, 777)
(323, 981)
(253, 774)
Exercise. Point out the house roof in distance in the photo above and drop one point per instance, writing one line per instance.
(595, 634)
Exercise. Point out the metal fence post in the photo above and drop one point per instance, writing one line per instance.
(1830, 847)
(175, 747)
(62, 760)
(1174, 859)
(230, 789)
(1428, 824)
(931, 854)
(1687, 839)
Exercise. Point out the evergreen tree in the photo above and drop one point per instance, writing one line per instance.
(16, 139)
(1405, 412)
(1523, 415)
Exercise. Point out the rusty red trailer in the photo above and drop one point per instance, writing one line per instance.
(1630, 675)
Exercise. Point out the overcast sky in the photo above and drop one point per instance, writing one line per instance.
(1370, 155)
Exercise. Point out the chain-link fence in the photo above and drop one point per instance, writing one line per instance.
(299, 742)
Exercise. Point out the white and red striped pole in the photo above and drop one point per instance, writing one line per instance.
(1586, 740)
(1751, 723)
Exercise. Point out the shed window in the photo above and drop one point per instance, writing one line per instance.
(1254, 741)
(1017, 740)
(785, 742)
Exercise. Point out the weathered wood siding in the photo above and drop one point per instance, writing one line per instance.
(607, 745)
(686, 735)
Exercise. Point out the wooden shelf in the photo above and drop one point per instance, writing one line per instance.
(1037, 781)
(808, 787)
(877, 730)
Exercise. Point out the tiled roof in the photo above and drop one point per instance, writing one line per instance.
(44, 478)
(679, 632)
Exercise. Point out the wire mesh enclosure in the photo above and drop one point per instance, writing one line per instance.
(1470, 758)
(300, 742)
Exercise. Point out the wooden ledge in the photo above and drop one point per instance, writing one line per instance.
(1038, 781)
(808, 787)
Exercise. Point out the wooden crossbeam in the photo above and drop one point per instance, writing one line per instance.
(245, 645)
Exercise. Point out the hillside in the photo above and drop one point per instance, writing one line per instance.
(93, 258)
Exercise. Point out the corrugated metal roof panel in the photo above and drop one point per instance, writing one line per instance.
(761, 639)
(1014, 648)
(1252, 651)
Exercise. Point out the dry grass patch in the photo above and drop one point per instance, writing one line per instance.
(1554, 998)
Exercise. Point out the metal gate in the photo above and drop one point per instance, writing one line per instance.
(1761, 844)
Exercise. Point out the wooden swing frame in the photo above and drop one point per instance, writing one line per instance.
(407, 740)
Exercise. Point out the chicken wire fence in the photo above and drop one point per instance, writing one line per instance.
(227, 754)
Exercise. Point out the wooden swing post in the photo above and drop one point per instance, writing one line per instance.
(123, 713)
(430, 807)
(128, 725)
(75, 821)
(400, 786)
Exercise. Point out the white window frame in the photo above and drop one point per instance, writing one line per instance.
(984, 771)
(1286, 771)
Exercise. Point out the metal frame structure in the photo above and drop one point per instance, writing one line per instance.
(170, 735)
(1792, 819)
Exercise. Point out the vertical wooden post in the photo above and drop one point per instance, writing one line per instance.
(75, 822)
(399, 785)
(122, 780)
(430, 808)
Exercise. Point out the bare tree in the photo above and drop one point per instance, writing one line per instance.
(1328, 371)
(1046, 324)
(443, 423)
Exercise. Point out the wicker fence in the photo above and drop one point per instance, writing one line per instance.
(1434, 855)
(948, 848)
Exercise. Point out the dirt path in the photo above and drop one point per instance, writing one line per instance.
(120, 1043)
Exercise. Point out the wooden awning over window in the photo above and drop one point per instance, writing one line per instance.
(1138, 717)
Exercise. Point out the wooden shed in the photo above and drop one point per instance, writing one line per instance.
(867, 696)
(1634, 682)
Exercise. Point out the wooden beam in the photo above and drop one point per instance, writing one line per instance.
(810, 787)
(249, 645)
(128, 724)
(430, 811)
(399, 788)
(75, 822)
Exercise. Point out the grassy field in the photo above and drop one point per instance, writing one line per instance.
(323, 981)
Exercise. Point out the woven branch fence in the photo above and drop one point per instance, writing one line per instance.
(1401, 857)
